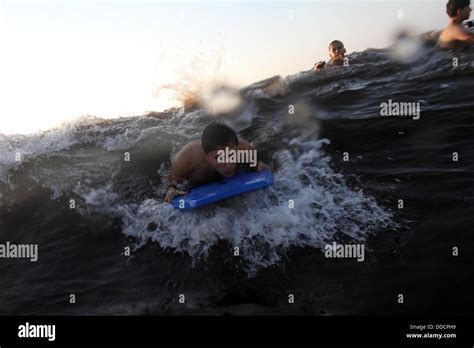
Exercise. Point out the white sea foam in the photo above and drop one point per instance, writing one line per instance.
(18, 148)
(15, 149)
(261, 224)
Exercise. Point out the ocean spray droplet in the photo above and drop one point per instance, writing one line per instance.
(301, 114)
(221, 100)
(407, 49)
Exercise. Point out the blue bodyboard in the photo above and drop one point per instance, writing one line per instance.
(217, 191)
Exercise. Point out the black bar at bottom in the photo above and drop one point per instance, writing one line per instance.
(240, 329)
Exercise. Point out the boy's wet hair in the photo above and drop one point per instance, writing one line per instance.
(453, 6)
(335, 42)
(217, 135)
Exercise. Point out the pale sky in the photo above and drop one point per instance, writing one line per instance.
(63, 59)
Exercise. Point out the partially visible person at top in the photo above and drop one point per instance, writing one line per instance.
(337, 52)
(456, 35)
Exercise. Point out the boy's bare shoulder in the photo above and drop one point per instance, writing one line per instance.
(189, 152)
(186, 160)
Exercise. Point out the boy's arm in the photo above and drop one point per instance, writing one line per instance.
(179, 170)
(177, 183)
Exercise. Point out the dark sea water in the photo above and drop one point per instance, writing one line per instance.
(337, 112)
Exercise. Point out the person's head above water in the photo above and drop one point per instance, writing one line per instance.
(337, 52)
(215, 137)
(458, 9)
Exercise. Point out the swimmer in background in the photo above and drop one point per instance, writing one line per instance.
(337, 52)
(456, 35)
(276, 86)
